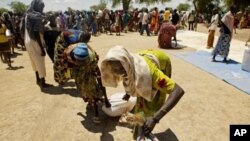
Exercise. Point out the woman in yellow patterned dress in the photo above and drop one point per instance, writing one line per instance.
(145, 75)
(85, 71)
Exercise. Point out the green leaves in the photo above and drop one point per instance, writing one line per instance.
(18, 7)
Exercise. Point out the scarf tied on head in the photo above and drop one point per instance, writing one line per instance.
(137, 82)
(34, 21)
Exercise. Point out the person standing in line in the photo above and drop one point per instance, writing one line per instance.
(223, 44)
(166, 16)
(125, 21)
(212, 28)
(4, 45)
(34, 41)
(145, 23)
(50, 35)
(183, 20)
(140, 17)
(154, 21)
(175, 20)
(191, 20)
(118, 23)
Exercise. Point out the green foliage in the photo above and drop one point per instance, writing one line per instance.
(126, 3)
(70, 10)
(18, 7)
(183, 7)
(203, 6)
(2, 10)
(240, 4)
(148, 2)
(100, 6)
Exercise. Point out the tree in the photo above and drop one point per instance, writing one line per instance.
(240, 4)
(18, 7)
(100, 6)
(126, 3)
(2, 10)
(183, 7)
(202, 5)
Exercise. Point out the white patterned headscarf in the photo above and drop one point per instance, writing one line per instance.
(138, 81)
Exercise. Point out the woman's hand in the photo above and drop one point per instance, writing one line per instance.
(149, 125)
(126, 97)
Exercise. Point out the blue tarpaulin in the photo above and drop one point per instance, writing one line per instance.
(230, 72)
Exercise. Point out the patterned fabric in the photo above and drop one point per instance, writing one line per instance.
(223, 45)
(4, 42)
(167, 31)
(61, 69)
(86, 78)
(164, 60)
(3, 38)
(162, 83)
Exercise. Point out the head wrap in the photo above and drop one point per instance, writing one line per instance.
(81, 51)
(72, 36)
(34, 18)
(138, 81)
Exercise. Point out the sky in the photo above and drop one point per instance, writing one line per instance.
(55, 5)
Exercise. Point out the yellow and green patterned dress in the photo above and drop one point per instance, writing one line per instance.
(160, 81)
(86, 79)
(62, 72)
(86, 76)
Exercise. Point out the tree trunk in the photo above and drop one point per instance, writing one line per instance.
(195, 7)
(125, 4)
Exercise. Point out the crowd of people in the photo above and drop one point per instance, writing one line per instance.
(102, 21)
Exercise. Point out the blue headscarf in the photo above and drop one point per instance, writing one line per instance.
(81, 51)
(72, 36)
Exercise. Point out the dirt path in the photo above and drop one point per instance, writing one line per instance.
(205, 112)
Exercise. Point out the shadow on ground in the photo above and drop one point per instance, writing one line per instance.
(229, 61)
(15, 68)
(67, 88)
(168, 135)
(107, 125)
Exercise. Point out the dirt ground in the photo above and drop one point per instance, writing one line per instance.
(204, 113)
